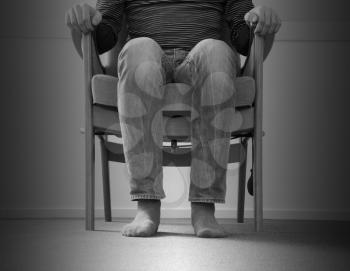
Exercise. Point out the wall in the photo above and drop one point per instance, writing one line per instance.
(305, 119)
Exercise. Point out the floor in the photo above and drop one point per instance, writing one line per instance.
(64, 245)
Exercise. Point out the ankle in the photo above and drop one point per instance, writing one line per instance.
(202, 206)
(148, 201)
(148, 204)
(148, 209)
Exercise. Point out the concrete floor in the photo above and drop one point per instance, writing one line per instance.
(50, 245)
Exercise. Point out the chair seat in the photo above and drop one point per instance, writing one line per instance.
(106, 121)
(176, 112)
(104, 92)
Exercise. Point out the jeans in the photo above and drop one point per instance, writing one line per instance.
(143, 70)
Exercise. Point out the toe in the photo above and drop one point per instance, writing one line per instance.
(145, 229)
(128, 230)
(204, 233)
(211, 233)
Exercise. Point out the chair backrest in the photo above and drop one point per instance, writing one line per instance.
(109, 59)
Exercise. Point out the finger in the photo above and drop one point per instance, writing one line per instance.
(67, 19)
(274, 24)
(97, 18)
(246, 16)
(261, 23)
(267, 25)
(259, 27)
(278, 26)
(251, 18)
(79, 16)
(87, 18)
(73, 20)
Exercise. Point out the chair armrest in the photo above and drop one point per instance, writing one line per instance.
(256, 56)
(90, 56)
(92, 66)
(257, 59)
(254, 68)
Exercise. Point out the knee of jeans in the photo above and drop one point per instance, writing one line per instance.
(214, 46)
(216, 52)
(137, 47)
(142, 56)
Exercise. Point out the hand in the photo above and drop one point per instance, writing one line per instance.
(267, 20)
(83, 18)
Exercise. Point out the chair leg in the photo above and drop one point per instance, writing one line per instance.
(105, 178)
(242, 181)
(90, 181)
(257, 179)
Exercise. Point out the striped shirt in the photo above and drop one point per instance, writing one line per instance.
(173, 23)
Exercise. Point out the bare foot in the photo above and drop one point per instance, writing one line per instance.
(146, 221)
(204, 222)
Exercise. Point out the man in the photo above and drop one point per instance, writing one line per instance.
(175, 41)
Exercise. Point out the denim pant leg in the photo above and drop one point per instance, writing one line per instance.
(140, 99)
(210, 67)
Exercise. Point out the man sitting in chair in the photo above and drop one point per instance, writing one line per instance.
(175, 41)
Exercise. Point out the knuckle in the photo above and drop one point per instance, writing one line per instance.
(86, 22)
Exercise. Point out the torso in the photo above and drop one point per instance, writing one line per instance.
(189, 20)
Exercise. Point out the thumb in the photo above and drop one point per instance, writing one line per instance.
(97, 18)
(251, 18)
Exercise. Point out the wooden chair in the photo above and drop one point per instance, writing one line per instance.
(101, 119)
